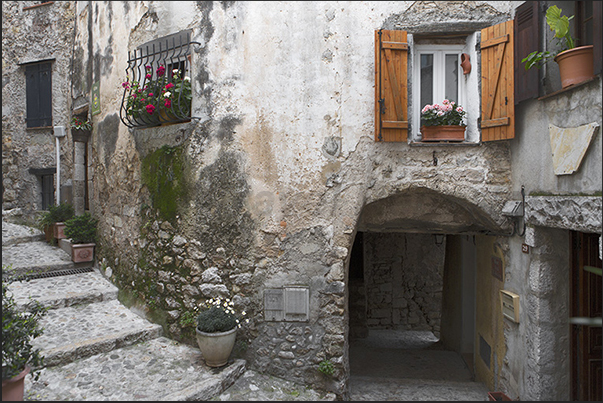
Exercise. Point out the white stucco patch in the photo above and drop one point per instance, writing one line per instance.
(569, 146)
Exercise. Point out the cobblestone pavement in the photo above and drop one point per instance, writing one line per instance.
(97, 349)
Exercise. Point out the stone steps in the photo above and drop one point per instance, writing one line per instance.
(94, 347)
(81, 331)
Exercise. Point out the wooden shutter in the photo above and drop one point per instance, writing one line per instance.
(38, 88)
(391, 86)
(498, 101)
(527, 40)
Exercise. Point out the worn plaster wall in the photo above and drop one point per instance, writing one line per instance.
(554, 205)
(268, 184)
(29, 35)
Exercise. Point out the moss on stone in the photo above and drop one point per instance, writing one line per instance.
(164, 174)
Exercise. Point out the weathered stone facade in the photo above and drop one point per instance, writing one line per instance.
(31, 34)
(278, 172)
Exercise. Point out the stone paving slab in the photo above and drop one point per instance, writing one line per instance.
(158, 369)
(404, 389)
(258, 387)
(84, 330)
(64, 291)
(14, 233)
(38, 256)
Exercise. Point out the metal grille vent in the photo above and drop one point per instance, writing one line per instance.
(57, 273)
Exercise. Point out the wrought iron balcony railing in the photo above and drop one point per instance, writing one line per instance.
(158, 87)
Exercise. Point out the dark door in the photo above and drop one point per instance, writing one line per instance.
(586, 294)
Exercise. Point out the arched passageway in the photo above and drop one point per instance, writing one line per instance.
(412, 298)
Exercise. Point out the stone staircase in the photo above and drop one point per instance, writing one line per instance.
(95, 348)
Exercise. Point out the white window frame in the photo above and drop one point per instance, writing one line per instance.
(439, 52)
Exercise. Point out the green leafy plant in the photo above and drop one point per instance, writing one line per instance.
(81, 229)
(19, 328)
(56, 213)
(560, 24)
(326, 367)
(217, 315)
(449, 113)
(80, 124)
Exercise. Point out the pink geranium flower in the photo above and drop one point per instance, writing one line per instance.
(160, 71)
(150, 109)
(168, 103)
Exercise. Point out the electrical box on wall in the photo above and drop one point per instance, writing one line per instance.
(510, 305)
(289, 304)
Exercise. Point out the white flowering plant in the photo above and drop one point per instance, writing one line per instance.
(449, 113)
(218, 315)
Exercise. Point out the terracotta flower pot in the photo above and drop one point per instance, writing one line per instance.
(82, 252)
(575, 65)
(59, 228)
(443, 133)
(216, 347)
(12, 389)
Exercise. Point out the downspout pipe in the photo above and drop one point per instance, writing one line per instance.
(59, 131)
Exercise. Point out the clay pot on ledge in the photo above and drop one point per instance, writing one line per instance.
(443, 133)
(575, 65)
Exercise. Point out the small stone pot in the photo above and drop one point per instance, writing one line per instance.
(216, 347)
(82, 252)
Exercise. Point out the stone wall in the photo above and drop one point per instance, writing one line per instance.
(404, 281)
(28, 35)
(266, 186)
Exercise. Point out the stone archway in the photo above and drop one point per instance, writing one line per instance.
(418, 254)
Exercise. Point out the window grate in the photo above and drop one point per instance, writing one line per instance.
(158, 87)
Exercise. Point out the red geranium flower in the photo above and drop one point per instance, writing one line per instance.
(150, 109)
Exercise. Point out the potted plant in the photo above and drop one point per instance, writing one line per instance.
(216, 329)
(19, 357)
(82, 233)
(443, 122)
(52, 222)
(80, 129)
(575, 62)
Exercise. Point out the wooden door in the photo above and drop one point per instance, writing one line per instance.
(586, 338)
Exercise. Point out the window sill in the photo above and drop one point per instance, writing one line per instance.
(570, 88)
(442, 143)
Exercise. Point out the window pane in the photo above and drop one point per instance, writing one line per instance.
(426, 79)
(451, 78)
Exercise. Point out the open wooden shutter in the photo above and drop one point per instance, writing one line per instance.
(391, 86)
(527, 40)
(498, 101)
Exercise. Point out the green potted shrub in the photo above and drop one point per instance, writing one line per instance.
(52, 222)
(575, 62)
(217, 324)
(19, 357)
(81, 230)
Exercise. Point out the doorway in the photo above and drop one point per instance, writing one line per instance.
(411, 310)
(586, 336)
